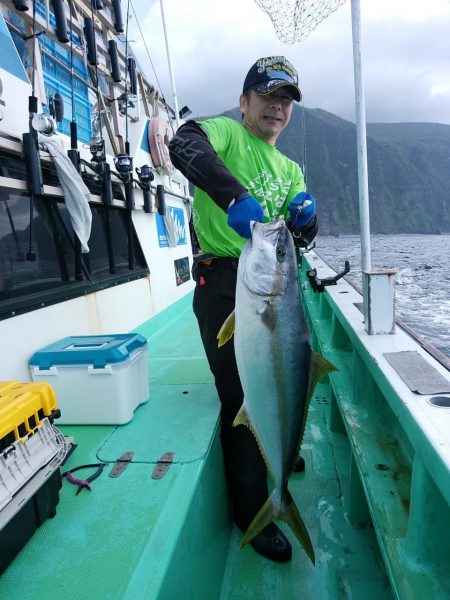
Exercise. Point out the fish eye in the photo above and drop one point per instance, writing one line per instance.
(281, 251)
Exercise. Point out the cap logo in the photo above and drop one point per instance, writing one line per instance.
(277, 67)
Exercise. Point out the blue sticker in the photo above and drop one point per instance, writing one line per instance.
(178, 217)
(144, 142)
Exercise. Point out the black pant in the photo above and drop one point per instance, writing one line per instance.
(214, 299)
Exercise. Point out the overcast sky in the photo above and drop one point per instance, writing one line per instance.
(213, 43)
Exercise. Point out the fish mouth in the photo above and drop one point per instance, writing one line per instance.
(272, 228)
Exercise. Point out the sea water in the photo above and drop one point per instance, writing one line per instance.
(422, 280)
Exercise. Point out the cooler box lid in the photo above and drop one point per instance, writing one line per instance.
(98, 350)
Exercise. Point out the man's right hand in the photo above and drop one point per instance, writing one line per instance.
(245, 209)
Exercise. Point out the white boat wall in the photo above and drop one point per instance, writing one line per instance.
(111, 290)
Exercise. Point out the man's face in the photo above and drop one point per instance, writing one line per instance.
(267, 116)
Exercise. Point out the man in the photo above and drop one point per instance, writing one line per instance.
(241, 177)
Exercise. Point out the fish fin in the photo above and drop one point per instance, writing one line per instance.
(268, 316)
(318, 368)
(287, 512)
(242, 419)
(290, 514)
(265, 516)
(226, 332)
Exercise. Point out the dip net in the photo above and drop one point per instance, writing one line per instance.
(294, 20)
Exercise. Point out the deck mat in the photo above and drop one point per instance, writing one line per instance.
(417, 373)
(179, 419)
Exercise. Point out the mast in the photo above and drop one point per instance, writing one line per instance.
(379, 285)
(361, 140)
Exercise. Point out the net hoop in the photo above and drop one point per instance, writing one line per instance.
(294, 20)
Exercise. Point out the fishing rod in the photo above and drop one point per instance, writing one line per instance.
(97, 146)
(147, 205)
(73, 153)
(123, 161)
(56, 107)
(303, 125)
(162, 96)
(30, 145)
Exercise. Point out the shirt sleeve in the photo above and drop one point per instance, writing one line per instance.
(192, 153)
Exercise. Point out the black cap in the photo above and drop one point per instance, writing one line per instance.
(269, 74)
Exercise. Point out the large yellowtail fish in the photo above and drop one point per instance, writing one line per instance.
(277, 368)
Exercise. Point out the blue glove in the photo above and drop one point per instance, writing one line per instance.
(245, 209)
(302, 209)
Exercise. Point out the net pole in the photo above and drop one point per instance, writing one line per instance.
(171, 70)
(361, 140)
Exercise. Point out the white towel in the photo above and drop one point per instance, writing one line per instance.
(76, 193)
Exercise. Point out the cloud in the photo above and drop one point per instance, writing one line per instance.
(405, 52)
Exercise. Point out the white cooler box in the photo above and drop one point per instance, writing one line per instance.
(97, 379)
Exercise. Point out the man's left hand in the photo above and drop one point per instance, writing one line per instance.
(302, 209)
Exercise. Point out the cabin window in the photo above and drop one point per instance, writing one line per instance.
(38, 264)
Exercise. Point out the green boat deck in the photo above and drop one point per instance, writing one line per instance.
(137, 537)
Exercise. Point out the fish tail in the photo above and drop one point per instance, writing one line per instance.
(287, 511)
(291, 514)
(265, 516)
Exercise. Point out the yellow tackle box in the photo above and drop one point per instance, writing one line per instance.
(22, 408)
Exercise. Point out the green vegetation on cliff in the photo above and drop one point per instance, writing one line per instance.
(409, 172)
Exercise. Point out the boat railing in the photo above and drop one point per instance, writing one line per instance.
(392, 400)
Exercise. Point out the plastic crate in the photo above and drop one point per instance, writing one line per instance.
(98, 379)
(22, 460)
(23, 406)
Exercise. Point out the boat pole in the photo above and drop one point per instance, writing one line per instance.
(171, 71)
(361, 141)
(379, 285)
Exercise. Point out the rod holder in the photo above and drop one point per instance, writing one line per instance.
(129, 194)
(56, 107)
(90, 41)
(107, 191)
(147, 200)
(118, 21)
(61, 21)
(160, 194)
(114, 58)
(32, 164)
(21, 5)
(132, 74)
(74, 156)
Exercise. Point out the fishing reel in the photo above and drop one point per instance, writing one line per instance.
(124, 166)
(97, 149)
(145, 175)
(124, 103)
